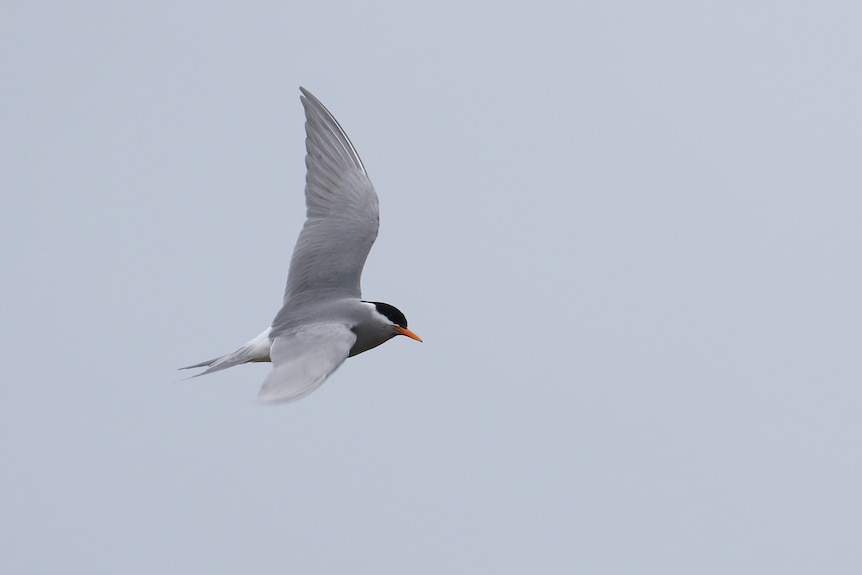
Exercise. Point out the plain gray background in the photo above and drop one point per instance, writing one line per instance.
(628, 232)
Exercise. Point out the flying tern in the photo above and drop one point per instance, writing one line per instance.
(323, 319)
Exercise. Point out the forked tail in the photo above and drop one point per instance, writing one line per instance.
(255, 350)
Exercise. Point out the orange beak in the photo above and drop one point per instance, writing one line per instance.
(407, 332)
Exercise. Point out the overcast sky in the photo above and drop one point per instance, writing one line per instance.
(628, 232)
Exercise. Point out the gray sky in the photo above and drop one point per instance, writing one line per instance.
(628, 232)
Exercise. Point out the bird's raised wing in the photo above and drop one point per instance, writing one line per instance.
(302, 359)
(342, 214)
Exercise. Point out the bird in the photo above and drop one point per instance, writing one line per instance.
(323, 319)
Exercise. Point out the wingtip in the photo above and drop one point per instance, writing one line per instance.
(306, 95)
(275, 398)
(332, 136)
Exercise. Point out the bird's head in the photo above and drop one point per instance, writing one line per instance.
(393, 316)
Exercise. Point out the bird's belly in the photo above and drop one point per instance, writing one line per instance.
(364, 342)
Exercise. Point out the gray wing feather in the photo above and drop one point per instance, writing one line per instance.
(342, 212)
(303, 359)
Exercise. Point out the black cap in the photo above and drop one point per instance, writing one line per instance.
(391, 312)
